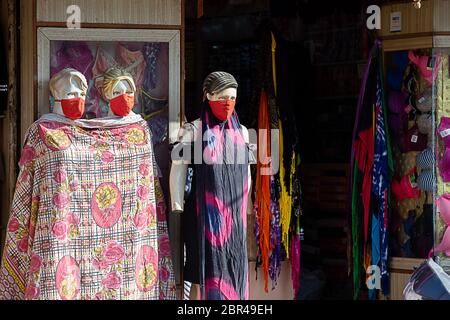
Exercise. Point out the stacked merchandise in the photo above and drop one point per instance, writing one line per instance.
(277, 192)
(371, 166)
(409, 79)
(441, 250)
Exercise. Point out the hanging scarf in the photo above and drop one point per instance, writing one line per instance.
(262, 189)
(285, 197)
(361, 168)
(222, 194)
(296, 230)
(372, 169)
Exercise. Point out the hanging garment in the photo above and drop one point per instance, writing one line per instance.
(222, 186)
(262, 188)
(76, 55)
(370, 162)
(381, 176)
(84, 221)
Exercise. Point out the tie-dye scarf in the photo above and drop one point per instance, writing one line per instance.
(222, 193)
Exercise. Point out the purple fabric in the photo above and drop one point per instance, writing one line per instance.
(413, 140)
(75, 55)
(444, 131)
(358, 112)
(275, 233)
(444, 165)
(295, 262)
(398, 118)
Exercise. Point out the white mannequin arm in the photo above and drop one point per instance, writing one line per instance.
(246, 139)
(178, 171)
(177, 182)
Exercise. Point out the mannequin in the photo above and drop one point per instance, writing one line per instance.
(69, 88)
(220, 92)
(85, 221)
(119, 91)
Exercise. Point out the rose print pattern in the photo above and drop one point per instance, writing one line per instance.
(101, 152)
(54, 247)
(108, 259)
(65, 224)
(146, 268)
(144, 218)
(106, 205)
(21, 229)
(56, 137)
(32, 291)
(28, 155)
(68, 278)
(135, 134)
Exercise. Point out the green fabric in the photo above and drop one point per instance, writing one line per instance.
(355, 235)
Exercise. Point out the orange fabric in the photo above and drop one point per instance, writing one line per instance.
(262, 187)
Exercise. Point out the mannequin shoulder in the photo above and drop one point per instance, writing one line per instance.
(189, 131)
(245, 133)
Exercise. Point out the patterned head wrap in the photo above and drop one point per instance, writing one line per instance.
(112, 77)
(62, 79)
(218, 81)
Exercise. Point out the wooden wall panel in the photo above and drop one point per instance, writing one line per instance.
(157, 12)
(27, 56)
(414, 21)
(407, 43)
(441, 16)
(400, 272)
(9, 123)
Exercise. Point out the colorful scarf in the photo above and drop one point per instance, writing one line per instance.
(371, 164)
(222, 194)
(262, 189)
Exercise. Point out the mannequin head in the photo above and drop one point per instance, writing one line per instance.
(69, 87)
(220, 89)
(118, 89)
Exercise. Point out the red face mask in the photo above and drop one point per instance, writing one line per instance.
(122, 105)
(72, 108)
(222, 109)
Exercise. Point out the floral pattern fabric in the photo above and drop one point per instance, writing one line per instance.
(86, 220)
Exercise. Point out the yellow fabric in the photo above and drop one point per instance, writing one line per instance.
(285, 197)
(274, 69)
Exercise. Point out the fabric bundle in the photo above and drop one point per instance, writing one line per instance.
(88, 217)
(277, 202)
(372, 167)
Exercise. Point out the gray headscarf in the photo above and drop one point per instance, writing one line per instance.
(217, 81)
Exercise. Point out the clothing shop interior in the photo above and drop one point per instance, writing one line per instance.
(357, 183)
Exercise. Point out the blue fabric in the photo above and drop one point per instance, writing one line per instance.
(221, 208)
(395, 74)
(380, 183)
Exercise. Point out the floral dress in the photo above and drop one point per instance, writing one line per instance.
(85, 222)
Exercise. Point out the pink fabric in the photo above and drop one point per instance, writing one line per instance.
(403, 189)
(422, 63)
(443, 203)
(444, 131)
(444, 165)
